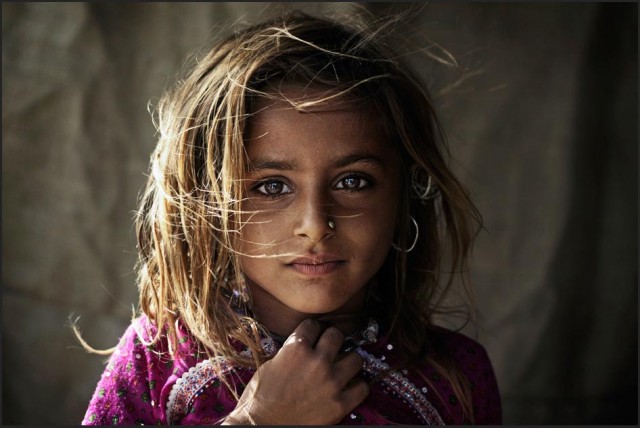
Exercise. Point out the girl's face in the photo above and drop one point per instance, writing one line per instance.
(307, 170)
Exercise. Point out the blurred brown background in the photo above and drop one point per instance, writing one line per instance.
(543, 126)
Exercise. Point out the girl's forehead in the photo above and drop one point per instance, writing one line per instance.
(331, 118)
(280, 132)
(314, 104)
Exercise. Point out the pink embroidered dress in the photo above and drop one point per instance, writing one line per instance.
(143, 385)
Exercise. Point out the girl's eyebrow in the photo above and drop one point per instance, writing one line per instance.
(361, 157)
(261, 163)
(265, 163)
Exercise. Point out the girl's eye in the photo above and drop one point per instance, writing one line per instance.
(352, 182)
(273, 188)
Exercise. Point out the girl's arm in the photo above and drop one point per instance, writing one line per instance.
(303, 383)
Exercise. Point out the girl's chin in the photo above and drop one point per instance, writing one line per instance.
(314, 311)
(314, 307)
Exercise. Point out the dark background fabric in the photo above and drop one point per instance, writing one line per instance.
(541, 113)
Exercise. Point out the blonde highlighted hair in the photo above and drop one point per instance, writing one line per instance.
(188, 221)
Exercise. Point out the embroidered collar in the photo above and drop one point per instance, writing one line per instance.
(366, 336)
(193, 383)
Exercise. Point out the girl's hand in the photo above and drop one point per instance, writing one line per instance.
(303, 383)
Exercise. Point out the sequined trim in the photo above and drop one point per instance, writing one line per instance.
(192, 383)
(403, 387)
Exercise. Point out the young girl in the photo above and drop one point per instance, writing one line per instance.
(294, 236)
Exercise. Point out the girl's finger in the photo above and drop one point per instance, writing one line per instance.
(329, 343)
(354, 394)
(306, 333)
(348, 367)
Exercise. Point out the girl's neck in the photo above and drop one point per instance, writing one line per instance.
(285, 320)
(349, 326)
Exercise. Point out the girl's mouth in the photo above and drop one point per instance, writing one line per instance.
(313, 269)
(316, 264)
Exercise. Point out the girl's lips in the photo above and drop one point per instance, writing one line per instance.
(313, 269)
(315, 259)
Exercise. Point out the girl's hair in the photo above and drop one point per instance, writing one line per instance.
(188, 222)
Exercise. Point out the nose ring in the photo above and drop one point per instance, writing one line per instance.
(331, 224)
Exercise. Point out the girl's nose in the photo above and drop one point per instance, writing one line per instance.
(312, 220)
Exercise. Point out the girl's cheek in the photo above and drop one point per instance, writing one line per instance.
(263, 227)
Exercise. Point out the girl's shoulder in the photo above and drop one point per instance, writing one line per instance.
(138, 377)
(139, 335)
(427, 386)
(456, 344)
(143, 334)
(139, 330)
(472, 360)
(467, 354)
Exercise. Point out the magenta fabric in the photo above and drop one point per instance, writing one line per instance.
(143, 385)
